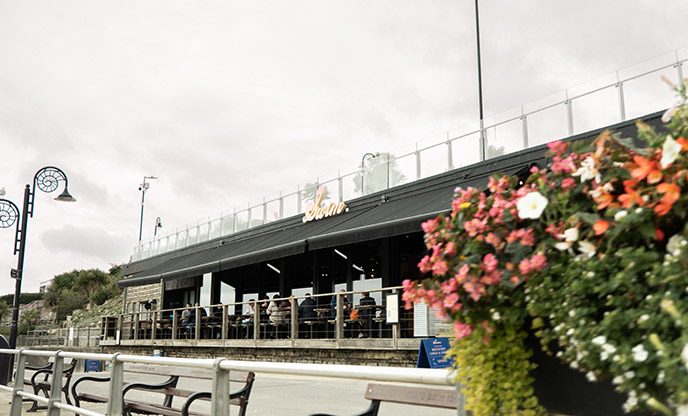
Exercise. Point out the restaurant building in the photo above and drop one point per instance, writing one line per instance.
(368, 244)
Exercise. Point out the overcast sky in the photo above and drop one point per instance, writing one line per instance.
(227, 102)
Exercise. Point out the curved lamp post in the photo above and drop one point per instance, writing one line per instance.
(143, 188)
(47, 180)
(372, 156)
(158, 224)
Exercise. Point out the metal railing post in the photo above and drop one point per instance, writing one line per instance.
(224, 322)
(524, 129)
(339, 322)
(281, 206)
(450, 154)
(622, 101)
(174, 324)
(16, 408)
(418, 173)
(256, 321)
(115, 403)
(56, 385)
(569, 115)
(340, 184)
(294, 319)
(265, 211)
(136, 326)
(220, 393)
(197, 324)
(679, 69)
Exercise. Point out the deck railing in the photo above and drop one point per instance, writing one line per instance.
(250, 323)
(623, 95)
(220, 404)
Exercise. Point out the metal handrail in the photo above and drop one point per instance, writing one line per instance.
(221, 367)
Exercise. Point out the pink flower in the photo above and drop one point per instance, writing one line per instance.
(450, 300)
(524, 266)
(450, 249)
(440, 268)
(492, 239)
(568, 183)
(424, 265)
(449, 286)
(462, 330)
(538, 261)
(490, 262)
(429, 226)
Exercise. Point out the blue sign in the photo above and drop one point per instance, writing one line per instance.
(432, 353)
(92, 365)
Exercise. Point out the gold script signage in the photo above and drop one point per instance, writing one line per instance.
(315, 210)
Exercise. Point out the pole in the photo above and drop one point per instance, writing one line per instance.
(143, 196)
(20, 268)
(483, 147)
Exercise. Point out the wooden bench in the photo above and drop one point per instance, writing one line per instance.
(408, 395)
(168, 388)
(41, 380)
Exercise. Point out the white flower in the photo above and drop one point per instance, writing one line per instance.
(599, 340)
(561, 246)
(620, 214)
(629, 375)
(670, 152)
(531, 205)
(638, 210)
(572, 313)
(574, 364)
(617, 380)
(684, 355)
(660, 377)
(631, 401)
(643, 318)
(590, 376)
(639, 353)
(587, 171)
(496, 316)
(570, 235)
(666, 117)
(587, 248)
(675, 243)
(569, 332)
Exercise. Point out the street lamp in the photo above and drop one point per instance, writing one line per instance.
(363, 170)
(47, 180)
(143, 188)
(158, 224)
(483, 142)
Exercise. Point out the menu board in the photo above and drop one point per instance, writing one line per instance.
(432, 353)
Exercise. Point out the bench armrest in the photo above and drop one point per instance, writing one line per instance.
(75, 394)
(171, 382)
(192, 398)
(35, 376)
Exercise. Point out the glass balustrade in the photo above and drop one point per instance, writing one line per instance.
(623, 95)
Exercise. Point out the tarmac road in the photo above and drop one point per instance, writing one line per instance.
(276, 395)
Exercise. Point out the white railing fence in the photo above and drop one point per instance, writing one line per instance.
(220, 400)
(623, 95)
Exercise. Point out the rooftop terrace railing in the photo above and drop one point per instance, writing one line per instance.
(625, 94)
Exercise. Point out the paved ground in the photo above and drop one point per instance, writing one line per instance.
(279, 395)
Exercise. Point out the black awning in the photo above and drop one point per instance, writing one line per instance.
(396, 211)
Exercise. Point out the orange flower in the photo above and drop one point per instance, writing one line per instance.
(644, 169)
(683, 142)
(631, 196)
(604, 200)
(671, 192)
(600, 226)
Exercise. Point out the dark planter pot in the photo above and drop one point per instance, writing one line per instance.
(565, 391)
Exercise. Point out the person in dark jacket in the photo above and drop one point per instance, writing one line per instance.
(306, 313)
(307, 309)
(366, 314)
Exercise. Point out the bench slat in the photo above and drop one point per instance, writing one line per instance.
(420, 396)
(169, 370)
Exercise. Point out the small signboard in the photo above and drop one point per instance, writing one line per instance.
(432, 352)
(392, 309)
(91, 365)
